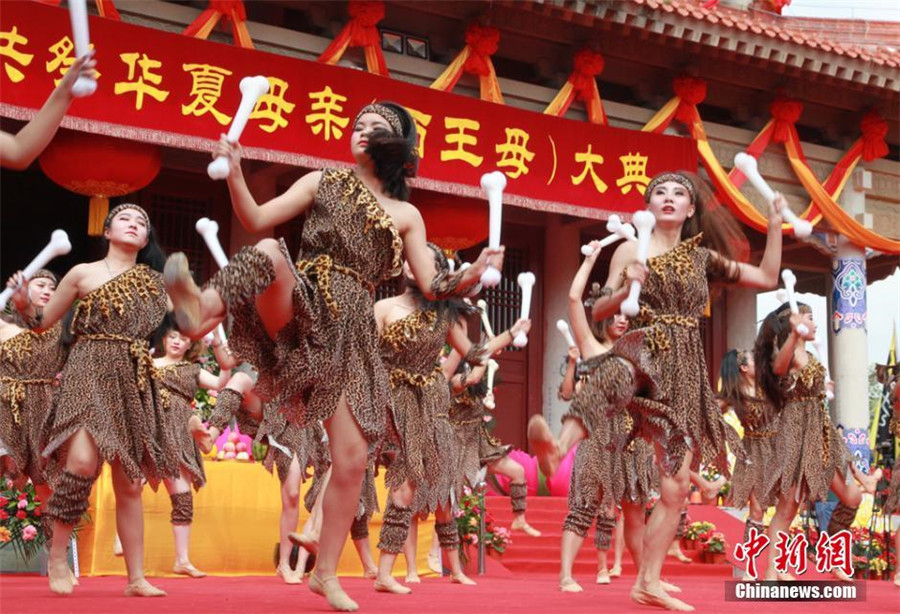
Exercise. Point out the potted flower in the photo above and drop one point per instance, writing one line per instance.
(20, 523)
(694, 533)
(468, 518)
(712, 549)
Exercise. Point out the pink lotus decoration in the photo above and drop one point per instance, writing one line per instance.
(557, 484)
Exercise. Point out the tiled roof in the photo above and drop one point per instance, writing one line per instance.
(784, 29)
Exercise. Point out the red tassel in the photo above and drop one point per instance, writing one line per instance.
(785, 112)
(691, 91)
(874, 129)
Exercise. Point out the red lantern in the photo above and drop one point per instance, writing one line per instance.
(452, 222)
(99, 167)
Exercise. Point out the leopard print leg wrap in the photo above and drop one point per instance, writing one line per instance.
(182, 507)
(228, 403)
(517, 497)
(603, 533)
(69, 500)
(394, 528)
(841, 518)
(248, 273)
(448, 535)
(760, 528)
(359, 529)
(579, 520)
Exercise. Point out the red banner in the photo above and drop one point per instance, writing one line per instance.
(180, 91)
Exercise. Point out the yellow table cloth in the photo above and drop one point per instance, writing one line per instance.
(234, 532)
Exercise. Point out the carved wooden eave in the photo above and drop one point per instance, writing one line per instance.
(830, 59)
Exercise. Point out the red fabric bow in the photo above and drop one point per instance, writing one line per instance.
(364, 15)
(586, 66)
(691, 91)
(874, 129)
(483, 42)
(785, 112)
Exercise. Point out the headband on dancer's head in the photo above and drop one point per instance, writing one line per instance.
(45, 274)
(389, 115)
(677, 178)
(119, 208)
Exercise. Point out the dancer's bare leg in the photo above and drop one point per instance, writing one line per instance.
(364, 552)
(570, 545)
(658, 536)
(434, 555)
(616, 570)
(516, 474)
(897, 549)
(82, 462)
(785, 509)
(850, 496)
(181, 531)
(290, 514)
(634, 521)
(130, 525)
(409, 552)
(442, 515)
(709, 488)
(547, 448)
(401, 497)
(868, 481)
(349, 451)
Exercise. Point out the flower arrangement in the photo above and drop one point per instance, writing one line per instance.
(205, 400)
(20, 519)
(715, 543)
(699, 531)
(468, 516)
(872, 556)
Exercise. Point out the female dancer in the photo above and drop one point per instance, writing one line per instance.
(476, 448)
(892, 505)
(176, 376)
(812, 456)
(320, 350)
(738, 375)
(422, 477)
(19, 151)
(662, 357)
(105, 409)
(605, 472)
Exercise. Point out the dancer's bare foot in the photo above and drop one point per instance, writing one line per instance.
(290, 576)
(370, 574)
(390, 585)
(785, 577)
(544, 444)
(869, 482)
(616, 571)
(60, 577)
(658, 598)
(461, 578)
(331, 589)
(839, 574)
(520, 524)
(434, 563)
(603, 577)
(184, 293)
(711, 489)
(569, 585)
(188, 570)
(669, 587)
(142, 588)
(897, 579)
(304, 541)
(675, 550)
(413, 578)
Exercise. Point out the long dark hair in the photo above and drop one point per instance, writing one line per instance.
(395, 155)
(772, 335)
(730, 373)
(151, 254)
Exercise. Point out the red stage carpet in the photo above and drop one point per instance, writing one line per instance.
(531, 587)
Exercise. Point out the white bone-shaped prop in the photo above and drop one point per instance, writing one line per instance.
(482, 307)
(493, 184)
(617, 231)
(747, 165)
(526, 283)
(818, 346)
(464, 266)
(790, 280)
(781, 296)
(252, 88)
(563, 327)
(59, 245)
(644, 222)
(451, 265)
(84, 85)
(209, 230)
(492, 367)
